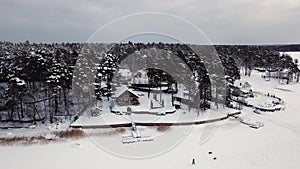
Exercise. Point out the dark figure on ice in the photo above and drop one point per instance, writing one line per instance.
(193, 162)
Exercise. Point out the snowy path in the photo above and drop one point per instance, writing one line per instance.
(112, 120)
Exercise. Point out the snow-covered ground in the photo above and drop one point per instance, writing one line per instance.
(180, 116)
(235, 146)
(33, 130)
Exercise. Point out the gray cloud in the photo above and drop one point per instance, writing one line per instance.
(223, 21)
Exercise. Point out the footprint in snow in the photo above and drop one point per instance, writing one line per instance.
(76, 145)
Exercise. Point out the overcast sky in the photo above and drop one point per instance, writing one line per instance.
(222, 21)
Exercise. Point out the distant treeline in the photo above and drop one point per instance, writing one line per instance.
(284, 48)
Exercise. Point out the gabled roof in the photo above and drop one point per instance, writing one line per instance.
(123, 89)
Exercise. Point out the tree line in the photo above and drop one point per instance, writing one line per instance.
(36, 79)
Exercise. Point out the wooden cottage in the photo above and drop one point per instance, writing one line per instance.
(126, 97)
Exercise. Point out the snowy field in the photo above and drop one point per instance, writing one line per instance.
(235, 146)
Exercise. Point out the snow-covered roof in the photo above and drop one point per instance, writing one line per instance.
(140, 77)
(242, 84)
(18, 81)
(123, 89)
(141, 74)
(285, 71)
(183, 92)
(124, 72)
